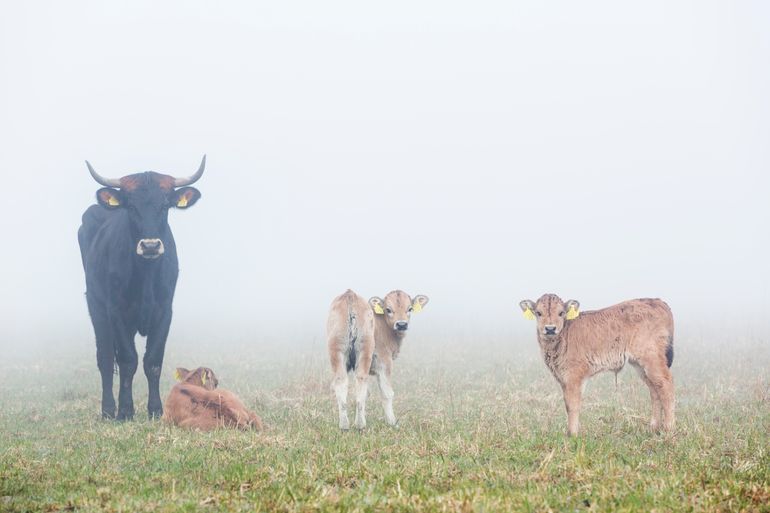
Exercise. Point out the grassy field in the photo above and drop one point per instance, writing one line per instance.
(481, 429)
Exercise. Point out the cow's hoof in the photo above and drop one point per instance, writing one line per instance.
(125, 415)
(155, 414)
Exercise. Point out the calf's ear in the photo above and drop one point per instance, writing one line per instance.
(180, 373)
(210, 377)
(376, 304)
(573, 309)
(109, 198)
(528, 307)
(419, 302)
(185, 197)
(207, 376)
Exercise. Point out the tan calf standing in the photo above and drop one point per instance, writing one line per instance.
(194, 403)
(392, 316)
(350, 336)
(578, 346)
(365, 338)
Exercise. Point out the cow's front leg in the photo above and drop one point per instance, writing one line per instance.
(153, 361)
(127, 364)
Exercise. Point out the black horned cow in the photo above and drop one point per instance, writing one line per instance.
(131, 268)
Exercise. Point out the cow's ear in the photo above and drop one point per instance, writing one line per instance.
(180, 373)
(573, 309)
(528, 308)
(185, 197)
(376, 304)
(109, 197)
(419, 302)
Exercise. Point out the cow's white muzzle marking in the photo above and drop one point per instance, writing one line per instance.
(150, 248)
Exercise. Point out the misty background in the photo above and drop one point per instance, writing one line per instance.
(476, 152)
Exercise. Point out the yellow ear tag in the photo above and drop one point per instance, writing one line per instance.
(182, 201)
(378, 309)
(528, 315)
(203, 378)
(177, 376)
(416, 307)
(113, 201)
(572, 313)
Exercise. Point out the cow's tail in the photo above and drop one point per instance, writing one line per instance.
(352, 336)
(670, 339)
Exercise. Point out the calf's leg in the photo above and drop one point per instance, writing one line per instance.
(340, 387)
(660, 376)
(363, 365)
(386, 391)
(572, 399)
(654, 397)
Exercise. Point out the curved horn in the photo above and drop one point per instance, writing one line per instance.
(181, 182)
(107, 182)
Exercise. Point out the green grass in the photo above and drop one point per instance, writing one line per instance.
(480, 430)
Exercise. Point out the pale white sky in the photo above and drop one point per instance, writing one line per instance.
(476, 152)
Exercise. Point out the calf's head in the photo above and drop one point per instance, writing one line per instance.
(550, 312)
(396, 309)
(202, 377)
(147, 197)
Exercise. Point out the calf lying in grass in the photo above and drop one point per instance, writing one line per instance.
(194, 403)
(578, 346)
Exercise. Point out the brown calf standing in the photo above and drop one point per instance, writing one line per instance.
(194, 403)
(578, 346)
(393, 314)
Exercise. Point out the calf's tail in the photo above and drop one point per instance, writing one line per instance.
(352, 336)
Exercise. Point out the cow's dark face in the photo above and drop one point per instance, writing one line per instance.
(146, 198)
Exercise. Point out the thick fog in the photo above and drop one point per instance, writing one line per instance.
(476, 152)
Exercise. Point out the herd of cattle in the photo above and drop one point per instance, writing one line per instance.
(131, 269)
